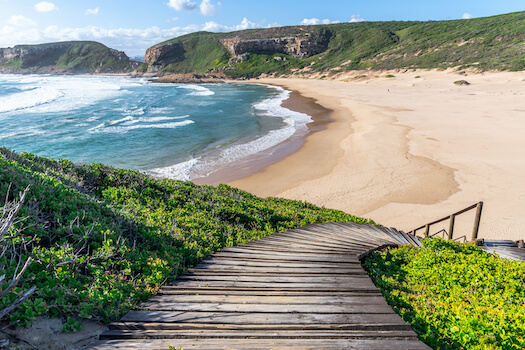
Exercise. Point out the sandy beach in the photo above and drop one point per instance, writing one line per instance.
(409, 149)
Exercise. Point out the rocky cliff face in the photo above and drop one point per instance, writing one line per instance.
(293, 46)
(30, 55)
(161, 55)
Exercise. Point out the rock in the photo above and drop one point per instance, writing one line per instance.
(461, 83)
(161, 55)
(189, 79)
(293, 46)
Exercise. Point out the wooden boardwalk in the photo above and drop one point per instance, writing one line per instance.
(512, 250)
(300, 289)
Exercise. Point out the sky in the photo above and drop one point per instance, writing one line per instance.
(133, 26)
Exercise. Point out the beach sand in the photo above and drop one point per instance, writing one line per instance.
(410, 149)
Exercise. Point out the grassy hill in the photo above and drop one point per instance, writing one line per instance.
(486, 43)
(102, 239)
(64, 57)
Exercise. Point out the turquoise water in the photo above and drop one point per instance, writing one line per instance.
(181, 131)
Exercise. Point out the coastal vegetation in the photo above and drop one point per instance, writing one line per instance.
(456, 296)
(73, 57)
(483, 43)
(100, 239)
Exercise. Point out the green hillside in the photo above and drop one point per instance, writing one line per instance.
(64, 57)
(101, 239)
(496, 42)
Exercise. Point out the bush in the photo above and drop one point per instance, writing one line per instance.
(455, 296)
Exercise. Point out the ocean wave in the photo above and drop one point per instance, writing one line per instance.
(273, 107)
(29, 132)
(123, 129)
(125, 119)
(28, 98)
(180, 171)
(45, 94)
(129, 120)
(199, 90)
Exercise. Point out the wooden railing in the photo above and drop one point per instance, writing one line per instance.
(452, 218)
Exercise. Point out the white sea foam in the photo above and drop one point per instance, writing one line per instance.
(44, 94)
(28, 98)
(199, 90)
(124, 129)
(161, 119)
(25, 132)
(179, 171)
(161, 110)
(125, 119)
(272, 107)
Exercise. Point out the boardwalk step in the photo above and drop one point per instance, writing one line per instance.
(263, 344)
(272, 334)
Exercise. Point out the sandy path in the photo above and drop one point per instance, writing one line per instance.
(405, 150)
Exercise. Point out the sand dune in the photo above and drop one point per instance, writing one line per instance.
(410, 149)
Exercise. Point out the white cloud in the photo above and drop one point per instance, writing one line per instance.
(466, 15)
(92, 11)
(207, 8)
(45, 6)
(356, 18)
(21, 21)
(180, 5)
(133, 41)
(315, 21)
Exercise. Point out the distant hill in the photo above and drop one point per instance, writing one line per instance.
(487, 43)
(73, 57)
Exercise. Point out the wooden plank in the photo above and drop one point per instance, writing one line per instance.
(287, 257)
(270, 263)
(279, 279)
(386, 321)
(233, 269)
(169, 290)
(285, 251)
(273, 299)
(156, 305)
(275, 286)
(188, 326)
(262, 344)
(273, 334)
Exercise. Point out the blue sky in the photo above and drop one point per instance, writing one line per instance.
(134, 25)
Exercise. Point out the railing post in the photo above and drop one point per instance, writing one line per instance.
(451, 226)
(427, 230)
(476, 222)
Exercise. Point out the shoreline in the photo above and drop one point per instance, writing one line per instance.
(407, 150)
(321, 118)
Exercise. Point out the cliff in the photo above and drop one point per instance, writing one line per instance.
(484, 43)
(75, 57)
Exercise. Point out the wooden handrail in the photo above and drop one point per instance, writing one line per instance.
(452, 218)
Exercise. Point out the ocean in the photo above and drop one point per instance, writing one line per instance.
(178, 131)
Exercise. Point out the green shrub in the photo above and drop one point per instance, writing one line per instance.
(455, 296)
